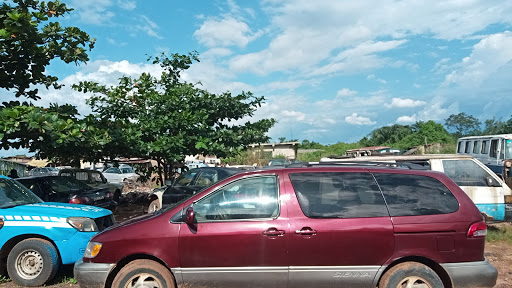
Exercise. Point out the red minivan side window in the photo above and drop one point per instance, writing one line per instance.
(338, 195)
(411, 195)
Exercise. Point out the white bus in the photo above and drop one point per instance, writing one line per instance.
(490, 149)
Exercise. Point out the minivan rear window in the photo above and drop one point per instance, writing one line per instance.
(338, 195)
(412, 195)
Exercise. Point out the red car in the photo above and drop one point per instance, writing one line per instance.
(328, 226)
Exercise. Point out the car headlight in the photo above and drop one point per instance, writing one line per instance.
(92, 250)
(83, 224)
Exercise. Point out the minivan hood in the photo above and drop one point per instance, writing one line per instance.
(55, 209)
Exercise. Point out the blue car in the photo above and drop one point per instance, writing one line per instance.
(36, 236)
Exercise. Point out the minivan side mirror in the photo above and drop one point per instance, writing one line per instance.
(189, 216)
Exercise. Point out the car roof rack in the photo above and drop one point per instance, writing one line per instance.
(400, 165)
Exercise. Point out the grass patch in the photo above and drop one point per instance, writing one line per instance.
(4, 279)
(501, 233)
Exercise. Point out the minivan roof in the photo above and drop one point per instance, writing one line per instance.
(399, 157)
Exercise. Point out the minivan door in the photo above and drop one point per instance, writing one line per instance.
(341, 232)
(238, 238)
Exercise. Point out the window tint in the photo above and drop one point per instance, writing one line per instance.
(465, 172)
(485, 147)
(251, 198)
(338, 195)
(410, 195)
(508, 149)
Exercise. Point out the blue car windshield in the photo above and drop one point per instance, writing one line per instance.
(13, 194)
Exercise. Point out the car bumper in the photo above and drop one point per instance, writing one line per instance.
(472, 274)
(91, 274)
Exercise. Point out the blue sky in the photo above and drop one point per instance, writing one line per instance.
(331, 71)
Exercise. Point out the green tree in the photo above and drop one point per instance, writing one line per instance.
(281, 139)
(164, 118)
(29, 41)
(429, 132)
(387, 135)
(494, 126)
(54, 133)
(463, 125)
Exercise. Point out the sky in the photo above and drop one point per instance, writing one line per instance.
(331, 71)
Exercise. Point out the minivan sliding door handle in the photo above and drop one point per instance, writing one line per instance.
(273, 232)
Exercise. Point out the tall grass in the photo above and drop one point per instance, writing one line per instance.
(501, 233)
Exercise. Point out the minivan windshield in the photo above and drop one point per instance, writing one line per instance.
(14, 194)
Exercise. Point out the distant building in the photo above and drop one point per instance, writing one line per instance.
(273, 150)
(7, 165)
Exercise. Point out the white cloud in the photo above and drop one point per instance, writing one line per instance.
(126, 4)
(488, 55)
(294, 115)
(345, 92)
(405, 103)
(355, 119)
(148, 26)
(406, 119)
(225, 32)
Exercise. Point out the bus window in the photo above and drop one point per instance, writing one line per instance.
(502, 151)
(508, 149)
(485, 147)
(459, 147)
(468, 145)
(475, 147)
(494, 148)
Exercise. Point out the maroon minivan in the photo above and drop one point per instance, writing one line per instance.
(311, 226)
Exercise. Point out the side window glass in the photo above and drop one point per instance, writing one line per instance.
(494, 149)
(185, 179)
(459, 147)
(96, 177)
(411, 195)
(251, 198)
(207, 178)
(475, 147)
(465, 172)
(485, 147)
(338, 195)
(82, 176)
(468, 147)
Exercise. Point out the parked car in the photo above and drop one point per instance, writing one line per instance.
(187, 184)
(94, 179)
(487, 190)
(69, 190)
(36, 237)
(309, 226)
(120, 174)
(41, 171)
(278, 162)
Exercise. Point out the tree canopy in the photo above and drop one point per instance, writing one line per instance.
(164, 118)
(463, 124)
(29, 41)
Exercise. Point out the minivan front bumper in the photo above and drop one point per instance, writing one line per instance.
(472, 274)
(91, 274)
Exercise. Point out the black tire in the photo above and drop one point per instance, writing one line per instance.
(32, 262)
(410, 274)
(144, 271)
(117, 196)
(154, 206)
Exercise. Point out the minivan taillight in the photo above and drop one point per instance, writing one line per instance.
(478, 229)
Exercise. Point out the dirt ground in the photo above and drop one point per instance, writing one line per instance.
(499, 254)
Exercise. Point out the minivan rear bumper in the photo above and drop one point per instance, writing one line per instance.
(472, 274)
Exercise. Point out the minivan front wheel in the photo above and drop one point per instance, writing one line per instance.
(144, 273)
(410, 275)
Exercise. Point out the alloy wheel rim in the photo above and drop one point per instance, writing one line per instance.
(143, 280)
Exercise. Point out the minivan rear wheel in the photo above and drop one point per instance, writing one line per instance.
(144, 273)
(410, 275)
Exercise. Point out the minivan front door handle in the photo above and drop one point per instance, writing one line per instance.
(306, 231)
(273, 232)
